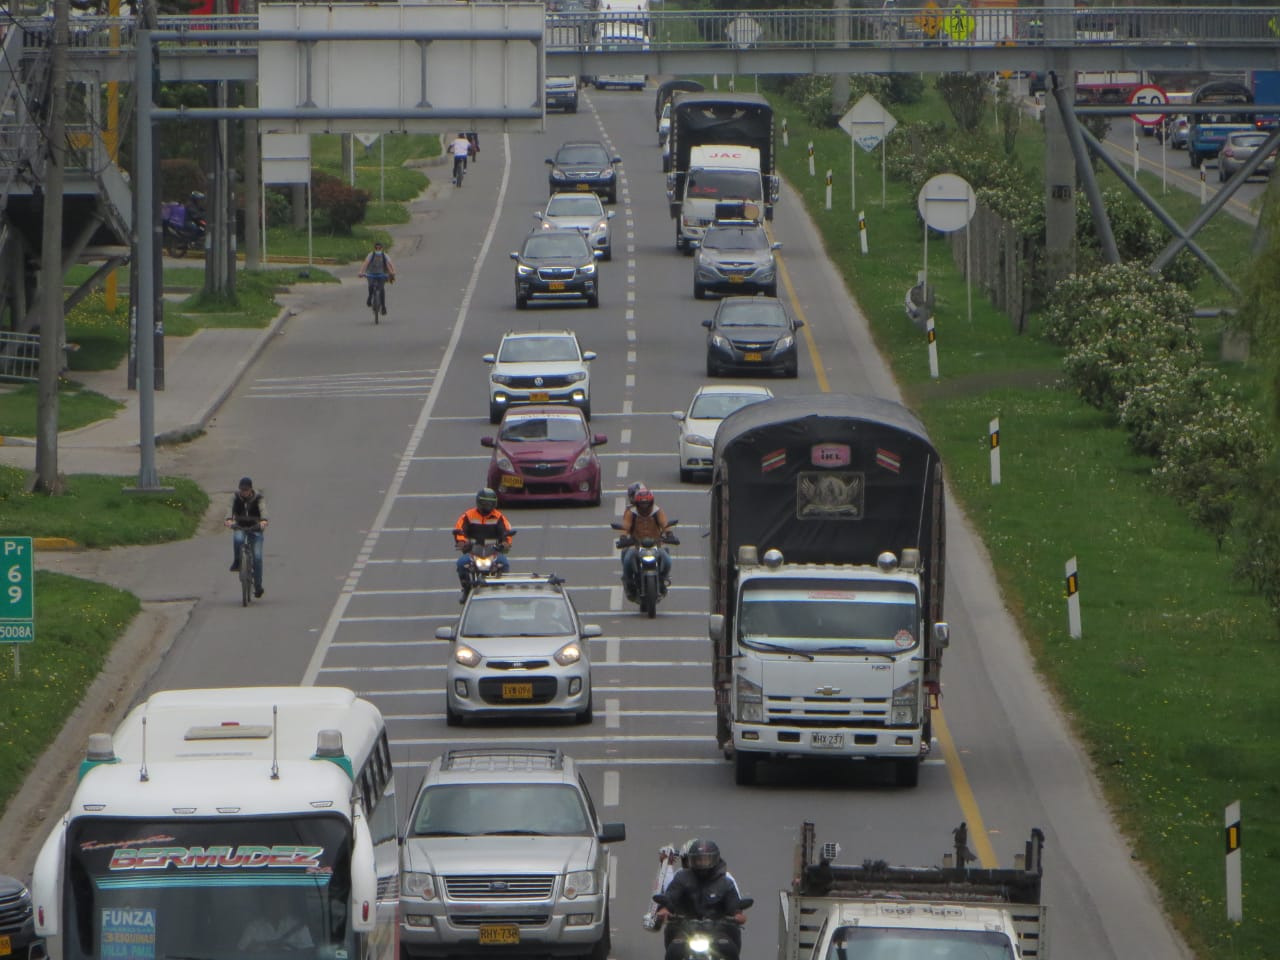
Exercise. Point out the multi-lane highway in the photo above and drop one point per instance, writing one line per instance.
(367, 441)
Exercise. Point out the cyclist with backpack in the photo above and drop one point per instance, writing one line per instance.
(378, 269)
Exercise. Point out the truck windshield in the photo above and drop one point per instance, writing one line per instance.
(208, 889)
(891, 943)
(817, 615)
(723, 185)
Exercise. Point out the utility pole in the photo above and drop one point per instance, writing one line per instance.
(252, 172)
(52, 353)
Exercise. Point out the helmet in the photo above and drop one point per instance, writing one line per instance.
(486, 500)
(643, 500)
(704, 856)
(684, 852)
(197, 196)
(632, 490)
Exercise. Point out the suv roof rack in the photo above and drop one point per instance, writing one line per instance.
(493, 758)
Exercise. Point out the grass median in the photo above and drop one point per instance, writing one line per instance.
(1171, 686)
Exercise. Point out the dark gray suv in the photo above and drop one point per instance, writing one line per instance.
(503, 854)
(18, 938)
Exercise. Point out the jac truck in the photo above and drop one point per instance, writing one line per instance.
(949, 912)
(827, 568)
(720, 150)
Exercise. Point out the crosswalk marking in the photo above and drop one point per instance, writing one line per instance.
(392, 384)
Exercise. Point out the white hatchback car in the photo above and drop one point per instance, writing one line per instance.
(710, 405)
(582, 212)
(540, 366)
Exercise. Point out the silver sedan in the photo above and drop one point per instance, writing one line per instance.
(582, 212)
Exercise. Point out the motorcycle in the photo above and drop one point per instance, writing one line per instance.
(483, 560)
(701, 932)
(649, 588)
(182, 229)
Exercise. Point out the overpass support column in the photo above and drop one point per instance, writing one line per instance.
(1059, 176)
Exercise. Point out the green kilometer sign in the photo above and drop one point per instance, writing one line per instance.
(18, 600)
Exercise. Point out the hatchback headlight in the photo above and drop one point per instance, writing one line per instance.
(465, 655)
(576, 376)
(421, 885)
(720, 342)
(503, 463)
(601, 225)
(579, 883)
(569, 654)
(583, 461)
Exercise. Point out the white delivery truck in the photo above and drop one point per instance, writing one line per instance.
(718, 173)
(619, 36)
(951, 912)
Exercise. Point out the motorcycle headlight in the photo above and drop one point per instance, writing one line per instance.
(584, 459)
(906, 704)
(579, 883)
(523, 270)
(786, 343)
(699, 943)
(750, 701)
(697, 440)
(422, 885)
(503, 463)
(570, 653)
(465, 655)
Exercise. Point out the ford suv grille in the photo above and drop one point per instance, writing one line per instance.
(499, 888)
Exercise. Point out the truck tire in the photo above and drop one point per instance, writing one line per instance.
(744, 769)
(906, 773)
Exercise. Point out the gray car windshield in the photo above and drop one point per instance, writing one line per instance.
(547, 246)
(526, 349)
(584, 205)
(817, 615)
(880, 943)
(517, 616)
(717, 406)
(541, 429)
(736, 240)
(550, 809)
(751, 314)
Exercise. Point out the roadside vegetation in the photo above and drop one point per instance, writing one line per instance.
(1157, 484)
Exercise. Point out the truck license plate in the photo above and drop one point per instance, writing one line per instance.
(510, 482)
(752, 357)
(499, 934)
(555, 285)
(539, 396)
(513, 691)
(827, 741)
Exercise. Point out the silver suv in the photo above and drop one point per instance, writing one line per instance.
(539, 366)
(503, 853)
(518, 648)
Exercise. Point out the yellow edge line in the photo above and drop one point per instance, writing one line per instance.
(979, 841)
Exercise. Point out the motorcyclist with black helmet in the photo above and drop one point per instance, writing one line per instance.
(483, 523)
(704, 891)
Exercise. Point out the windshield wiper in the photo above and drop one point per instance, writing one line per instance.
(514, 833)
(430, 833)
(777, 648)
(849, 648)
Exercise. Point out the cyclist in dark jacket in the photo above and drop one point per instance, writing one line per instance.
(703, 891)
(248, 518)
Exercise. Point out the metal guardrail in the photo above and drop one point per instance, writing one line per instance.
(909, 28)
(20, 356)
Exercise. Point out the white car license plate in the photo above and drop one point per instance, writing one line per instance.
(826, 741)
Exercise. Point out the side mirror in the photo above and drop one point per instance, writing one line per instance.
(709, 322)
(444, 633)
(612, 832)
(942, 634)
(538, 215)
(616, 160)
(515, 254)
(590, 630)
(798, 324)
(746, 902)
(776, 245)
(599, 440)
(695, 244)
(489, 358)
(677, 415)
(549, 160)
(715, 627)
(611, 214)
(598, 254)
(588, 355)
(486, 441)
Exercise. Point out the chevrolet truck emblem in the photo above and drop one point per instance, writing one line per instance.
(827, 691)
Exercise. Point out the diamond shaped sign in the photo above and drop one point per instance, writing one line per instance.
(867, 122)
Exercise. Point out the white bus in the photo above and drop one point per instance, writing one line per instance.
(216, 823)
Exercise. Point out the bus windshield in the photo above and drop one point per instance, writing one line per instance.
(141, 889)
(830, 616)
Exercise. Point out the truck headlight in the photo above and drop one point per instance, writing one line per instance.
(466, 656)
(906, 704)
(420, 885)
(579, 883)
(750, 701)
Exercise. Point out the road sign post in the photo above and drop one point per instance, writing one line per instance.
(18, 608)
(868, 123)
(1148, 95)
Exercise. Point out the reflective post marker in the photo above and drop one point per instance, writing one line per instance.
(1204, 187)
(1073, 599)
(1235, 911)
(933, 349)
(812, 172)
(993, 435)
(862, 231)
(828, 188)
(786, 137)
(1137, 156)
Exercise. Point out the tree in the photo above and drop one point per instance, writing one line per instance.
(966, 97)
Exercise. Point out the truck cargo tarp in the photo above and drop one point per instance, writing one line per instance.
(828, 478)
(745, 119)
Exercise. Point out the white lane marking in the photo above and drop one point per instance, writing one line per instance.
(331, 377)
(460, 456)
(643, 738)
(611, 791)
(612, 646)
(432, 642)
(626, 408)
(615, 597)
(625, 437)
(631, 381)
(623, 467)
(631, 296)
(631, 334)
(611, 713)
(631, 357)
(415, 438)
(613, 876)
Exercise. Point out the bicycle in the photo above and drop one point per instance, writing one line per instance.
(459, 168)
(378, 295)
(247, 562)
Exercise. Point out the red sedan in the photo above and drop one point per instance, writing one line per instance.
(544, 453)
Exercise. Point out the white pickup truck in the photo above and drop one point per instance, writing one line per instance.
(951, 912)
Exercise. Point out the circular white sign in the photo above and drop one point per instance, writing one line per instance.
(946, 202)
(1148, 93)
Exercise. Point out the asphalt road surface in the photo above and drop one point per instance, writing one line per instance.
(366, 439)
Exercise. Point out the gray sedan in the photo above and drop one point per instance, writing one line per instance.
(1239, 150)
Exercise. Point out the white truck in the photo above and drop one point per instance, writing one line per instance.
(951, 912)
(827, 570)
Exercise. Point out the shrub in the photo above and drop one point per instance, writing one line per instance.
(342, 206)
(1257, 521)
(1106, 368)
(1155, 409)
(1083, 306)
(279, 207)
(1138, 234)
(965, 95)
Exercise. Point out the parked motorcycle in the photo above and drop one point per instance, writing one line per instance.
(182, 229)
(483, 560)
(649, 588)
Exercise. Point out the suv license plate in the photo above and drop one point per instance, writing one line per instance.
(752, 357)
(827, 741)
(499, 933)
(539, 396)
(555, 285)
(584, 187)
(512, 691)
(733, 279)
(6, 946)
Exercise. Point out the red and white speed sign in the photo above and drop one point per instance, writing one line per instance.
(1148, 94)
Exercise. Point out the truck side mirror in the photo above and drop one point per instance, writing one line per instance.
(942, 634)
(715, 627)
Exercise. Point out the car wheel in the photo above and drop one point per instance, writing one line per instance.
(521, 302)
(585, 717)
(451, 717)
(613, 196)
(699, 292)
(600, 949)
(713, 369)
(573, 108)
(586, 410)
(791, 370)
(686, 476)
(593, 299)
(771, 290)
(608, 252)
(495, 413)
(906, 773)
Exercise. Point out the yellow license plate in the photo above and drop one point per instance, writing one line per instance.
(752, 357)
(583, 186)
(539, 396)
(509, 481)
(514, 691)
(555, 285)
(6, 946)
(499, 933)
(735, 279)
